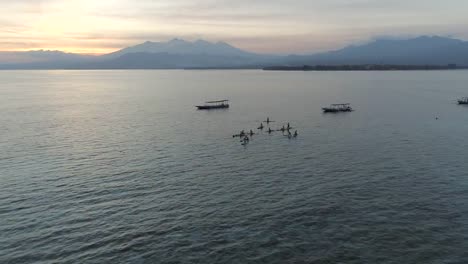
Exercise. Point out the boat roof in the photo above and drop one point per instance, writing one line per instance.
(219, 101)
(339, 104)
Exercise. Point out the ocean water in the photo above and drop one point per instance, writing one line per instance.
(119, 167)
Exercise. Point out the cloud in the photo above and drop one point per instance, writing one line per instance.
(261, 25)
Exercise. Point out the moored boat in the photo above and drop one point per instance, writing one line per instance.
(214, 105)
(335, 108)
(463, 101)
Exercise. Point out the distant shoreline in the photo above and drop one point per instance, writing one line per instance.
(372, 67)
(375, 67)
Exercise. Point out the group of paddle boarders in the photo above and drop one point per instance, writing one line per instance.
(245, 137)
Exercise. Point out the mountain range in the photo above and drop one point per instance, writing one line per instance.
(182, 47)
(178, 54)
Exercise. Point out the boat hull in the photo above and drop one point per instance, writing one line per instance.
(331, 110)
(211, 107)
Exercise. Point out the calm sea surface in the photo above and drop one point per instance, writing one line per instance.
(119, 167)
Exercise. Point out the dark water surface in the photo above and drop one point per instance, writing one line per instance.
(119, 167)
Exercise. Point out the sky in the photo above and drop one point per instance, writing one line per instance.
(264, 26)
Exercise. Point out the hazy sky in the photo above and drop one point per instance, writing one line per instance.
(281, 26)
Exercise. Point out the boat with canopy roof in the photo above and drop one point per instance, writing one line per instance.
(463, 101)
(335, 108)
(220, 104)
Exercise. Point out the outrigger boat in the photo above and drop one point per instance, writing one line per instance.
(335, 108)
(214, 105)
(463, 101)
